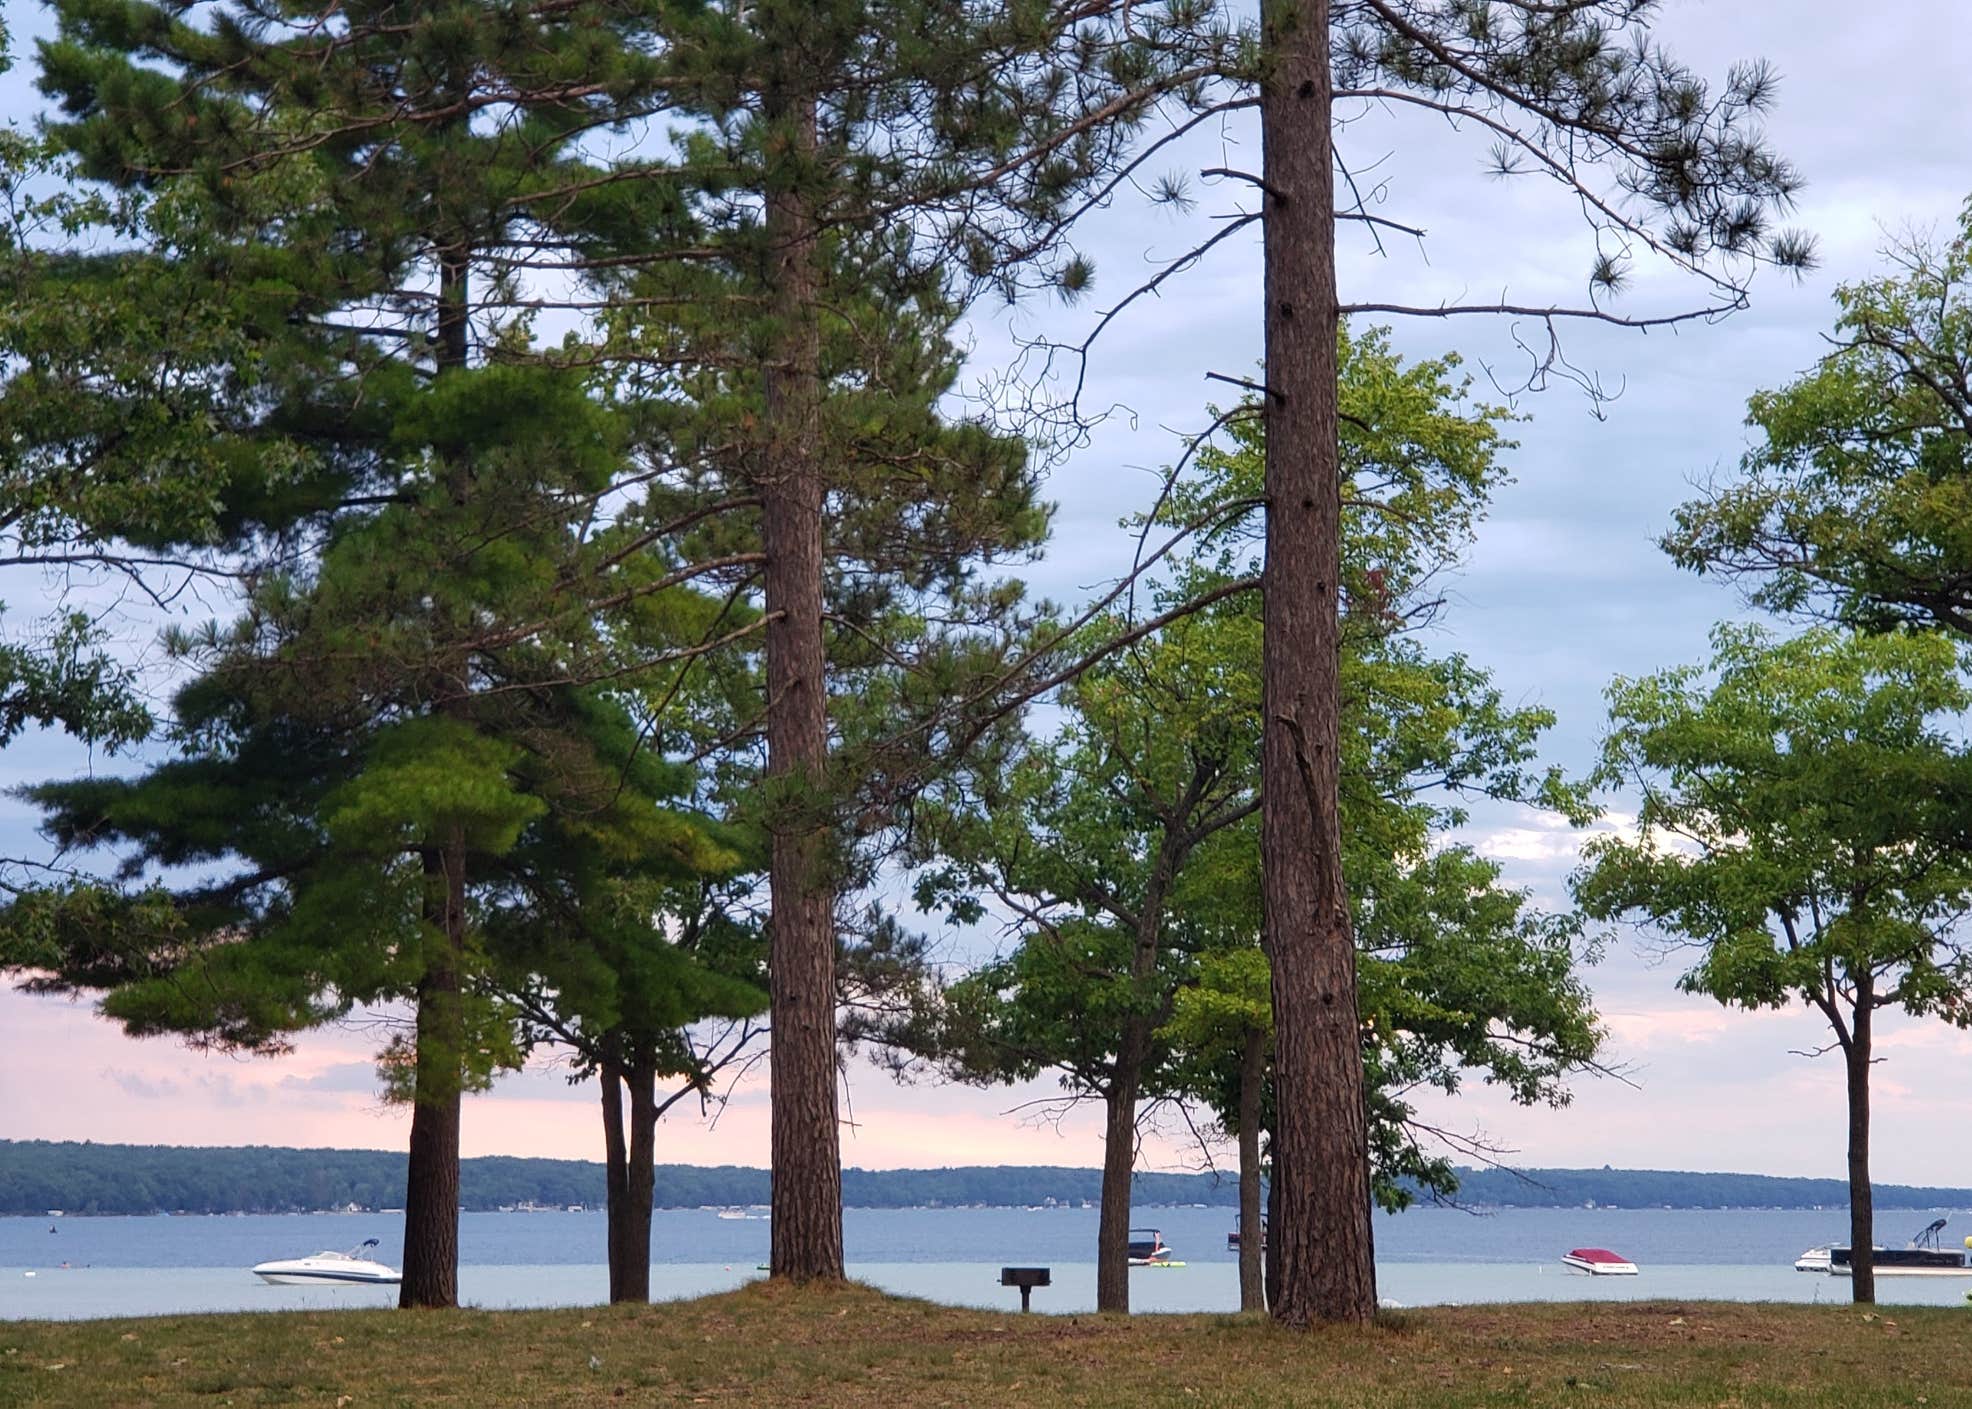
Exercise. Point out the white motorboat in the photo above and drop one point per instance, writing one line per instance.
(349, 1269)
(1599, 1262)
(1813, 1260)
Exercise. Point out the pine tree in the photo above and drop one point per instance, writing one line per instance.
(1575, 93)
(354, 201)
(423, 169)
(545, 822)
(644, 970)
(857, 174)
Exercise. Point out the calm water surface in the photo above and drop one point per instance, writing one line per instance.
(145, 1266)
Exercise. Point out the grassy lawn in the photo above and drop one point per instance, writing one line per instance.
(771, 1346)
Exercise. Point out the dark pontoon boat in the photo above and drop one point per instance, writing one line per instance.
(1925, 1257)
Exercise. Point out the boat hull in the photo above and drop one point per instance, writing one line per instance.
(1905, 1262)
(325, 1279)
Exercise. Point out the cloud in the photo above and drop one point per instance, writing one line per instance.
(1536, 844)
(145, 1088)
(1926, 1040)
(341, 1077)
(1640, 1032)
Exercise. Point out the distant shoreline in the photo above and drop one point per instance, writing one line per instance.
(39, 1177)
(1472, 1209)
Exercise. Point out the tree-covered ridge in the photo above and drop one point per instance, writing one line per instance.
(88, 1178)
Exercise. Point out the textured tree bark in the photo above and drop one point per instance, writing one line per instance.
(1252, 1230)
(616, 1184)
(806, 1150)
(1119, 1157)
(640, 1186)
(1862, 1197)
(431, 1195)
(1321, 1157)
(1272, 1247)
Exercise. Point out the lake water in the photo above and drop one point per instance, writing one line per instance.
(162, 1265)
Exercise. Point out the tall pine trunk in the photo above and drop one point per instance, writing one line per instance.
(1252, 1230)
(1862, 1197)
(431, 1198)
(616, 1173)
(1119, 1157)
(431, 1195)
(806, 1150)
(640, 1186)
(1321, 1154)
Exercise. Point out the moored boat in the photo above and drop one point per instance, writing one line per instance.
(1148, 1249)
(1599, 1262)
(1923, 1257)
(1813, 1260)
(349, 1269)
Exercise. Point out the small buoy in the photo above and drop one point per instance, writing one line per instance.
(27, 1274)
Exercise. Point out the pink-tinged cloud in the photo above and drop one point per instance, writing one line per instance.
(1724, 1089)
(1637, 1032)
(71, 1076)
(1707, 1088)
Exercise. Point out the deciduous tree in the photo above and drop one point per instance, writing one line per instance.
(1798, 830)
(1087, 845)
(1856, 500)
(1124, 855)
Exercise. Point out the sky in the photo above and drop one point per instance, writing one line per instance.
(1563, 590)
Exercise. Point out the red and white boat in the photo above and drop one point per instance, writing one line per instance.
(1599, 1262)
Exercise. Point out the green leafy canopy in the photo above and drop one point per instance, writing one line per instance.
(1800, 823)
